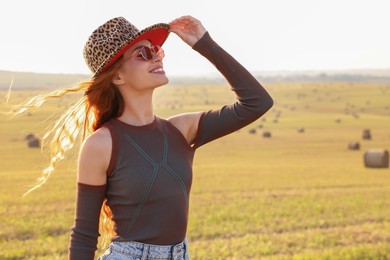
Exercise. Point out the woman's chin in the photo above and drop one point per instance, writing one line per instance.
(164, 80)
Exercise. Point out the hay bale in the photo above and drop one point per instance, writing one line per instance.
(34, 143)
(376, 158)
(366, 134)
(354, 146)
(252, 131)
(267, 134)
(29, 137)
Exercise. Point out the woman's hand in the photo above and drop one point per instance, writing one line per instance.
(189, 29)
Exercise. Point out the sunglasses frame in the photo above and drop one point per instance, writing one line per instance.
(146, 52)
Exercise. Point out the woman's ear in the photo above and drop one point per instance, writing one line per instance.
(118, 79)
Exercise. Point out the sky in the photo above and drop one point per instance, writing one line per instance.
(264, 35)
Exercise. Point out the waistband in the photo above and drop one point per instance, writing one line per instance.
(149, 251)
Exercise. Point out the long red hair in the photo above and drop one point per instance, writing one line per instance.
(101, 101)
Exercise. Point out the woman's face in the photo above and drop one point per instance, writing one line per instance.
(138, 73)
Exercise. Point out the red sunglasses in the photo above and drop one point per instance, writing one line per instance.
(147, 52)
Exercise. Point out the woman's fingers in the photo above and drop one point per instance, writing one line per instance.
(189, 29)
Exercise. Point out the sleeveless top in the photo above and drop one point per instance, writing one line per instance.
(149, 181)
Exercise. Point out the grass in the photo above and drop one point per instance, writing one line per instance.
(292, 196)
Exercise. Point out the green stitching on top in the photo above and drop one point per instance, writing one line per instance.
(172, 172)
(154, 176)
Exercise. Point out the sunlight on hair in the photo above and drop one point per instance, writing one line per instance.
(65, 130)
(106, 227)
(7, 97)
(39, 100)
(101, 101)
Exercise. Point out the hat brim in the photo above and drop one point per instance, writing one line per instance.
(156, 34)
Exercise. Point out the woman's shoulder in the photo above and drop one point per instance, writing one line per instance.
(94, 157)
(97, 145)
(99, 139)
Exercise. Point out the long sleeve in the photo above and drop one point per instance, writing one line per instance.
(84, 235)
(253, 100)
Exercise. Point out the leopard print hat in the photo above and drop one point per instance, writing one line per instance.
(109, 41)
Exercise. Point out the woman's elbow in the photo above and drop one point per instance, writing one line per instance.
(268, 103)
(263, 105)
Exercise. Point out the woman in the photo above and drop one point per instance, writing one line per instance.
(135, 164)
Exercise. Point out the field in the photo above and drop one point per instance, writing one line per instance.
(296, 195)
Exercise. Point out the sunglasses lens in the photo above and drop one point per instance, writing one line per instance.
(146, 53)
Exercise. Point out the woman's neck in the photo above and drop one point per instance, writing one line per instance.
(138, 109)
